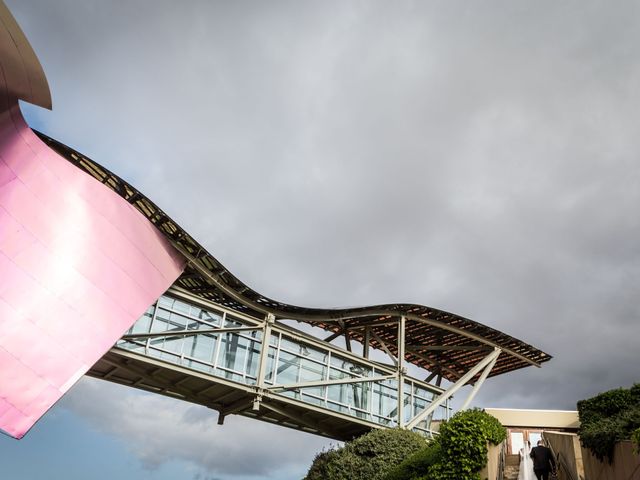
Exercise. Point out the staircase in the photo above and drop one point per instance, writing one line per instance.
(512, 467)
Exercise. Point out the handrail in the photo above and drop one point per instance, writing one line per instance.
(561, 462)
(502, 460)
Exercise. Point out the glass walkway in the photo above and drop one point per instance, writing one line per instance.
(226, 346)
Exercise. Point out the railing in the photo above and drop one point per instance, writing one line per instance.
(211, 339)
(502, 460)
(561, 463)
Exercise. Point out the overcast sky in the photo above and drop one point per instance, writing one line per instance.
(478, 157)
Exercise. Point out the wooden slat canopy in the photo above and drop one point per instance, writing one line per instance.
(436, 340)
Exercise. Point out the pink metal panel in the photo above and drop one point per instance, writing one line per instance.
(78, 264)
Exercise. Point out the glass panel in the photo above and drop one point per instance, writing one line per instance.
(408, 414)
(232, 322)
(166, 301)
(288, 367)
(173, 344)
(335, 374)
(253, 358)
(268, 376)
(177, 322)
(313, 400)
(199, 366)
(169, 357)
(182, 307)
(384, 401)
(234, 348)
(143, 324)
(201, 347)
(160, 324)
(311, 371)
(314, 353)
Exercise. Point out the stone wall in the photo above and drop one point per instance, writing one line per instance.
(567, 448)
(625, 466)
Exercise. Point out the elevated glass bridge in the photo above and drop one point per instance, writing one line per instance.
(299, 381)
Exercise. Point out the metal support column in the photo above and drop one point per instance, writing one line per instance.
(454, 388)
(401, 371)
(367, 341)
(478, 384)
(264, 357)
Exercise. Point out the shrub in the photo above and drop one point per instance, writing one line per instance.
(321, 466)
(601, 437)
(604, 405)
(635, 438)
(608, 418)
(463, 441)
(417, 464)
(459, 452)
(368, 457)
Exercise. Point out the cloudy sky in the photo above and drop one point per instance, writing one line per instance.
(478, 157)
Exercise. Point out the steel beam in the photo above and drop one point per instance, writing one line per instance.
(437, 364)
(187, 333)
(401, 371)
(264, 349)
(452, 348)
(300, 419)
(453, 389)
(264, 356)
(384, 347)
(367, 341)
(222, 285)
(236, 407)
(323, 383)
(479, 383)
(332, 337)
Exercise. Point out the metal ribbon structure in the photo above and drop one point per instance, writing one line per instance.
(78, 264)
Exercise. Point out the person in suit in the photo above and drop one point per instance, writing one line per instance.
(543, 461)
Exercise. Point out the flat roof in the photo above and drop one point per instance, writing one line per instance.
(436, 340)
(562, 419)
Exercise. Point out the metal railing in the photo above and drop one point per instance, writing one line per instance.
(561, 463)
(502, 460)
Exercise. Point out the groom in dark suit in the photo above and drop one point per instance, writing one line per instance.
(543, 461)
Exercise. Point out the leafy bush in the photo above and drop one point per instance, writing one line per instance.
(464, 445)
(601, 437)
(604, 405)
(368, 457)
(635, 438)
(459, 452)
(417, 464)
(608, 418)
(322, 464)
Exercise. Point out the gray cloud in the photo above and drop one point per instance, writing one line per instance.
(158, 429)
(481, 159)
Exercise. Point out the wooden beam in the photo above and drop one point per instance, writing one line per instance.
(449, 347)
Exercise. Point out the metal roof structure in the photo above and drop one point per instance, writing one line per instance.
(443, 343)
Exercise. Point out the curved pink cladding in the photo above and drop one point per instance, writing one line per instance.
(78, 266)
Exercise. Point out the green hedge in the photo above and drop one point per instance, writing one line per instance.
(608, 418)
(459, 452)
(418, 464)
(635, 438)
(369, 457)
